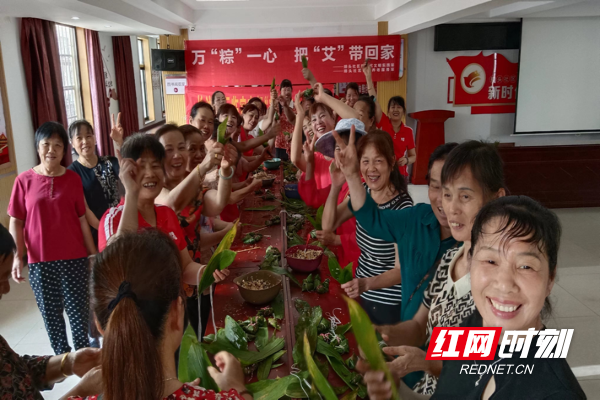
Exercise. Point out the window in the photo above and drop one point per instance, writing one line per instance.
(69, 66)
(140, 44)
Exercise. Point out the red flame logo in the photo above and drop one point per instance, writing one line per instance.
(471, 79)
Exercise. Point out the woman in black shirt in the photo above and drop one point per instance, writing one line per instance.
(513, 259)
(99, 175)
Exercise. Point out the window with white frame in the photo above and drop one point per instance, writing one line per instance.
(69, 66)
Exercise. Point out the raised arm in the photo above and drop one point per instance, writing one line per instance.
(249, 166)
(372, 92)
(131, 178)
(266, 123)
(116, 134)
(308, 75)
(342, 109)
(335, 214)
(296, 148)
(181, 195)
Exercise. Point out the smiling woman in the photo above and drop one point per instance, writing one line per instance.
(47, 210)
(513, 258)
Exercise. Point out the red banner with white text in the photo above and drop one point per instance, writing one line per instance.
(257, 61)
(238, 96)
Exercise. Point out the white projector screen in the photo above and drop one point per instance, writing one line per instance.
(559, 76)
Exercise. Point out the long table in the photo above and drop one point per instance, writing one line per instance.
(228, 301)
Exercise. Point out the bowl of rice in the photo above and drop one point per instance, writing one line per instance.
(304, 258)
(259, 287)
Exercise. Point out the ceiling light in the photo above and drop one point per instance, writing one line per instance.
(75, 18)
(107, 26)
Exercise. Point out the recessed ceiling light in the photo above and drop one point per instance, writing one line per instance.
(107, 26)
(75, 18)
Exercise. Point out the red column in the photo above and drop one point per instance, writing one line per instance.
(430, 134)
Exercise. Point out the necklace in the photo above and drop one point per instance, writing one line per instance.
(169, 379)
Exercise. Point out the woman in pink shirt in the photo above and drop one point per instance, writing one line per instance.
(47, 215)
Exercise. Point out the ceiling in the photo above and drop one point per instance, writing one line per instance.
(245, 19)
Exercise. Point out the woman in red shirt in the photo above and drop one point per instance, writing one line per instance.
(143, 175)
(402, 135)
(47, 215)
(136, 288)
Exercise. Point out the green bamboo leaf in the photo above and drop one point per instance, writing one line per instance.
(304, 62)
(340, 367)
(198, 364)
(270, 389)
(227, 258)
(367, 340)
(264, 208)
(312, 221)
(341, 275)
(215, 261)
(221, 130)
(308, 323)
(278, 306)
(320, 217)
(342, 329)
(262, 337)
(188, 338)
(273, 84)
(235, 333)
(246, 357)
(264, 367)
(319, 380)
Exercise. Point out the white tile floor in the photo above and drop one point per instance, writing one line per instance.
(576, 299)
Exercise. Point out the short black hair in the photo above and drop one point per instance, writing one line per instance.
(527, 220)
(212, 98)
(166, 128)
(7, 243)
(399, 101)
(484, 162)
(368, 100)
(76, 126)
(263, 105)
(47, 129)
(353, 86)
(199, 105)
(285, 83)
(329, 92)
(439, 154)
(139, 143)
(189, 130)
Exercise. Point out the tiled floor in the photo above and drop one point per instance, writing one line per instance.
(576, 300)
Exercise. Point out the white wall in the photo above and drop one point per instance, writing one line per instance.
(427, 89)
(18, 99)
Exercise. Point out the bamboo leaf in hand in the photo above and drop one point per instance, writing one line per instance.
(367, 340)
(220, 259)
(221, 130)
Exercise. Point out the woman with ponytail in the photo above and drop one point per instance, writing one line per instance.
(377, 280)
(139, 306)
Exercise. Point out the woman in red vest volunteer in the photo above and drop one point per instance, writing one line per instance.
(402, 135)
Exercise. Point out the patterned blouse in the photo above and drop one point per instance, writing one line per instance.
(187, 392)
(21, 377)
(449, 303)
(286, 126)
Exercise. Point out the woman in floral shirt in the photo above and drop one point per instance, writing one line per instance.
(139, 305)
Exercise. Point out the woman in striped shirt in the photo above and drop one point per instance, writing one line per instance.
(378, 279)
